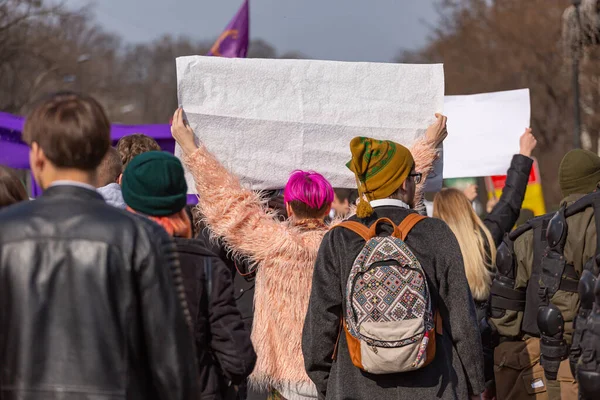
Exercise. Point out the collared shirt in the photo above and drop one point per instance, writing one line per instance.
(73, 183)
(389, 202)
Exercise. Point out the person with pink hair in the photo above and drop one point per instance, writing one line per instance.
(282, 253)
(307, 195)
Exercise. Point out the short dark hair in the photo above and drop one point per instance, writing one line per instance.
(134, 145)
(12, 189)
(72, 130)
(346, 194)
(304, 211)
(110, 168)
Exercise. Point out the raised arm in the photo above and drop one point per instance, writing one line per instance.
(235, 214)
(505, 213)
(425, 152)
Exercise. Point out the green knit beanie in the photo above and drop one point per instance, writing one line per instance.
(154, 184)
(579, 172)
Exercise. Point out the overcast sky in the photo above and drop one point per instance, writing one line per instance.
(348, 30)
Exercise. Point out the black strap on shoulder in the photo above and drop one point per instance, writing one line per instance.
(527, 226)
(583, 203)
(590, 200)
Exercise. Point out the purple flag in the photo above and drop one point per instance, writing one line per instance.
(233, 42)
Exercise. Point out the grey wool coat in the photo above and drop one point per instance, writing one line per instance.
(457, 370)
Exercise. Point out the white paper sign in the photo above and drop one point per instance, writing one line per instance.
(266, 118)
(483, 132)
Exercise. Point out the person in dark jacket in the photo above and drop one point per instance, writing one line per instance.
(479, 239)
(154, 185)
(387, 179)
(89, 301)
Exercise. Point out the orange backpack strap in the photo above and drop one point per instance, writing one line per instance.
(408, 223)
(373, 228)
(357, 228)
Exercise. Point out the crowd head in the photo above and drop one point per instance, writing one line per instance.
(308, 195)
(68, 134)
(343, 201)
(382, 169)
(12, 189)
(154, 185)
(133, 145)
(579, 172)
(475, 240)
(110, 169)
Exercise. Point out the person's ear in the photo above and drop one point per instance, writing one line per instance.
(37, 163)
(120, 179)
(37, 158)
(329, 209)
(405, 184)
(288, 209)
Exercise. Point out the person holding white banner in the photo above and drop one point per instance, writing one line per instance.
(283, 253)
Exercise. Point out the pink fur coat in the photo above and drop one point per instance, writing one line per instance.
(285, 255)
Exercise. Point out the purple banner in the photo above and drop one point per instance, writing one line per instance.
(14, 152)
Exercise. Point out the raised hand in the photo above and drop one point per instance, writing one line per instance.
(527, 143)
(437, 132)
(183, 133)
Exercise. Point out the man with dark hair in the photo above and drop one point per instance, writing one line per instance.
(89, 306)
(109, 171)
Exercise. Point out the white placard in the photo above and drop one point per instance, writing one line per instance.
(483, 132)
(263, 119)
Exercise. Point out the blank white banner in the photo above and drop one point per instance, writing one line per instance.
(483, 132)
(266, 118)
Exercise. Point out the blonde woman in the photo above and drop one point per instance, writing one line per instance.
(475, 240)
(478, 239)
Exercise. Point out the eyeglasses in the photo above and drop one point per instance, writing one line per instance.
(417, 177)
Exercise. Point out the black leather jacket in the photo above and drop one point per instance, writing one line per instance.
(88, 304)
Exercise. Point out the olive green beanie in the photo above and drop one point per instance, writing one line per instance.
(154, 184)
(579, 172)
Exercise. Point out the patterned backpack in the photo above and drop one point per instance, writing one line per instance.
(389, 324)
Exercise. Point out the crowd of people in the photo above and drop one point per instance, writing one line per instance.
(111, 286)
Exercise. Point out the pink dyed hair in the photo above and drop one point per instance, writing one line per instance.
(310, 188)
